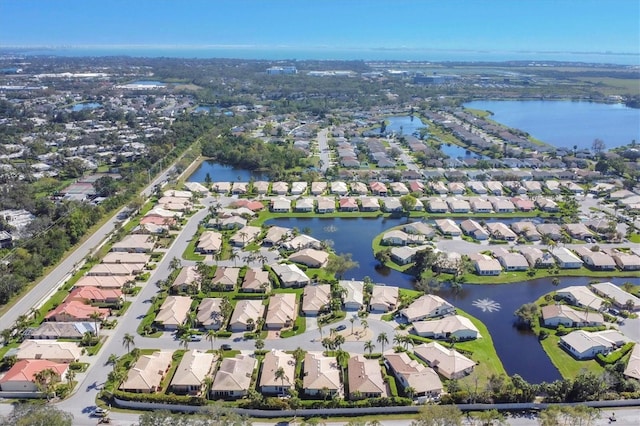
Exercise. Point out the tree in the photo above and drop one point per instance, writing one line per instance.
(113, 360)
(128, 341)
(338, 341)
(409, 391)
(341, 263)
(369, 346)
(259, 343)
(46, 381)
(96, 317)
(365, 325)
(438, 415)
(71, 375)
(383, 340)
(557, 415)
(408, 203)
(352, 320)
(526, 315)
(383, 256)
(184, 340)
(175, 264)
(33, 414)
(211, 337)
(598, 146)
(281, 375)
(490, 417)
(105, 186)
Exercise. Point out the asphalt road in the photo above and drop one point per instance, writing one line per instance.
(323, 148)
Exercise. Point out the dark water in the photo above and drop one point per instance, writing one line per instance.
(564, 124)
(520, 352)
(221, 173)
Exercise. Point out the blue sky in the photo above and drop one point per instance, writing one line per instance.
(511, 25)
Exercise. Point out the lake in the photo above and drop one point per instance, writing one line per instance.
(494, 305)
(564, 124)
(86, 105)
(222, 173)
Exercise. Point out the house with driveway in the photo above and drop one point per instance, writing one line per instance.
(282, 311)
(321, 374)
(427, 306)
(274, 360)
(383, 298)
(233, 378)
(365, 378)
(290, 275)
(21, 377)
(245, 315)
(587, 345)
(411, 373)
(173, 312)
(189, 377)
(555, 315)
(147, 373)
(315, 299)
(447, 327)
(447, 362)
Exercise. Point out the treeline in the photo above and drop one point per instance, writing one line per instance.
(253, 154)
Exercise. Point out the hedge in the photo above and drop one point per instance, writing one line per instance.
(615, 356)
(160, 398)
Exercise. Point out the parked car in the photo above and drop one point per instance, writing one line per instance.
(196, 338)
(100, 412)
(341, 327)
(225, 347)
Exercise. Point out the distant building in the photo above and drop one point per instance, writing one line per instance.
(282, 70)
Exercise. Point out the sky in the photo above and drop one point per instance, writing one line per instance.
(506, 25)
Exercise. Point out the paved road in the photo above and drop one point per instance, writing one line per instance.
(323, 147)
(404, 155)
(49, 284)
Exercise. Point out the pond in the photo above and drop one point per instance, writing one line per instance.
(221, 173)
(564, 124)
(86, 105)
(494, 305)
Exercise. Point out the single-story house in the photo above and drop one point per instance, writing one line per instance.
(449, 363)
(282, 311)
(315, 299)
(321, 374)
(618, 296)
(246, 314)
(626, 262)
(419, 228)
(526, 229)
(566, 259)
(552, 230)
(537, 258)
(599, 261)
(305, 205)
(21, 377)
(189, 377)
(102, 296)
(580, 296)
(444, 328)
(383, 298)
(586, 345)
(60, 352)
(279, 188)
(479, 205)
(318, 188)
(365, 378)
(437, 205)
(272, 362)
(339, 188)
(369, 204)
(276, 235)
(427, 306)
(63, 330)
(310, 257)
(245, 236)
(225, 278)
(411, 373)
(290, 275)
(209, 242)
(302, 241)
(555, 315)
(233, 378)
(473, 229)
(633, 365)
(500, 231)
(256, 281)
(326, 205)
(298, 188)
(75, 310)
(487, 266)
(209, 313)
(513, 262)
(187, 279)
(135, 244)
(173, 312)
(391, 205)
(353, 298)
(348, 204)
(448, 227)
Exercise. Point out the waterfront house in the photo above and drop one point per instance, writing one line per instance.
(231, 222)
(261, 187)
(274, 360)
(112, 281)
(427, 306)
(369, 204)
(282, 311)
(316, 299)
(233, 378)
(391, 205)
(383, 298)
(473, 229)
(436, 205)
(617, 295)
(523, 204)
(321, 375)
(419, 228)
(587, 345)
(513, 262)
(302, 241)
(209, 313)
(365, 378)
(527, 230)
(599, 261)
(487, 266)
(633, 365)
(221, 187)
(580, 296)
(447, 327)
(411, 373)
(173, 312)
(394, 237)
(566, 259)
(479, 205)
(537, 258)
(348, 204)
(304, 205)
(547, 205)
(275, 235)
(555, 315)
(458, 205)
(626, 262)
(448, 227)
(501, 205)
(449, 363)
(456, 188)
(326, 205)
(551, 230)
(290, 275)
(280, 205)
(189, 377)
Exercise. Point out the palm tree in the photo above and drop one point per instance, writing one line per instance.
(96, 317)
(259, 344)
(298, 354)
(383, 340)
(211, 337)
(46, 380)
(352, 320)
(184, 341)
(369, 346)
(409, 391)
(281, 375)
(208, 382)
(319, 326)
(234, 256)
(365, 325)
(71, 374)
(338, 341)
(175, 264)
(128, 341)
(113, 360)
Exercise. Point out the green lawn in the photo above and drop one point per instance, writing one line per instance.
(568, 366)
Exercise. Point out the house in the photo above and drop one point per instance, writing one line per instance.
(458, 206)
(230, 223)
(394, 237)
(290, 275)
(447, 327)
(551, 230)
(383, 298)
(448, 227)
(392, 205)
(411, 373)
(74, 311)
(175, 204)
(122, 257)
(256, 281)
(326, 205)
(494, 187)
(526, 229)
(112, 281)
(233, 378)
(210, 242)
(339, 188)
(633, 365)
(500, 231)
(369, 204)
(456, 188)
(305, 205)
(427, 306)
(95, 295)
(477, 187)
(416, 186)
(348, 204)
(280, 205)
(378, 188)
(245, 236)
(310, 257)
(275, 235)
(225, 278)
(321, 374)
(280, 188)
(353, 298)
(318, 188)
(532, 187)
(419, 228)
(59, 352)
(189, 377)
(473, 229)
(209, 313)
(403, 255)
(260, 187)
(599, 261)
(566, 259)
(513, 262)
(246, 314)
(553, 186)
(587, 345)
(626, 262)
(487, 266)
(501, 205)
(618, 296)
(221, 187)
(120, 269)
(282, 311)
(365, 378)
(63, 330)
(188, 279)
(555, 315)
(449, 363)
(274, 360)
(547, 205)
(537, 258)
(302, 241)
(315, 299)
(479, 205)
(438, 188)
(173, 312)
(135, 244)
(436, 205)
(298, 188)
(21, 377)
(580, 296)
(578, 231)
(523, 204)
(399, 188)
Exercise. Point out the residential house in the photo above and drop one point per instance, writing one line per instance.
(326, 205)
(532, 187)
(321, 374)
(394, 237)
(298, 188)
(587, 345)
(276, 235)
(348, 204)
(448, 227)
(599, 261)
(473, 229)
(617, 295)
(399, 188)
(494, 187)
(523, 204)
(447, 362)
(225, 278)
(319, 188)
(245, 315)
(566, 259)
(383, 298)
(121, 269)
(302, 241)
(290, 275)
(551, 230)
(419, 228)
(59, 352)
(547, 205)
(527, 230)
(578, 231)
(187, 280)
(487, 266)
(210, 242)
(233, 378)
(365, 378)
(353, 298)
(74, 311)
(513, 262)
(209, 313)
(477, 187)
(282, 311)
(500, 231)
(122, 257)
(221, 187)
(416, 186)
(305, 205)
(555, 315)
(22, 376)
(256, 281)
(95, 295)
(173, 312)
(403, 255)
(633, 365)
(458, 205)
(281, 205)
(189, 377)
(369, 204)
(63, 330)
(310, 257)
(479, 205)
(427, 306)
(135, 244)
(411, 373)
(537, 258)
(447, 327)
(359, 188)
(315, 299)
(438, 187)
(436, 205)
(391, 205)
(626, 262)
(279, 188)
(501, 205)
(580, 296)
(245, 236)
(112, 281)
(261, 187)
(339, 188)
(379, 188)
(274, 360)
